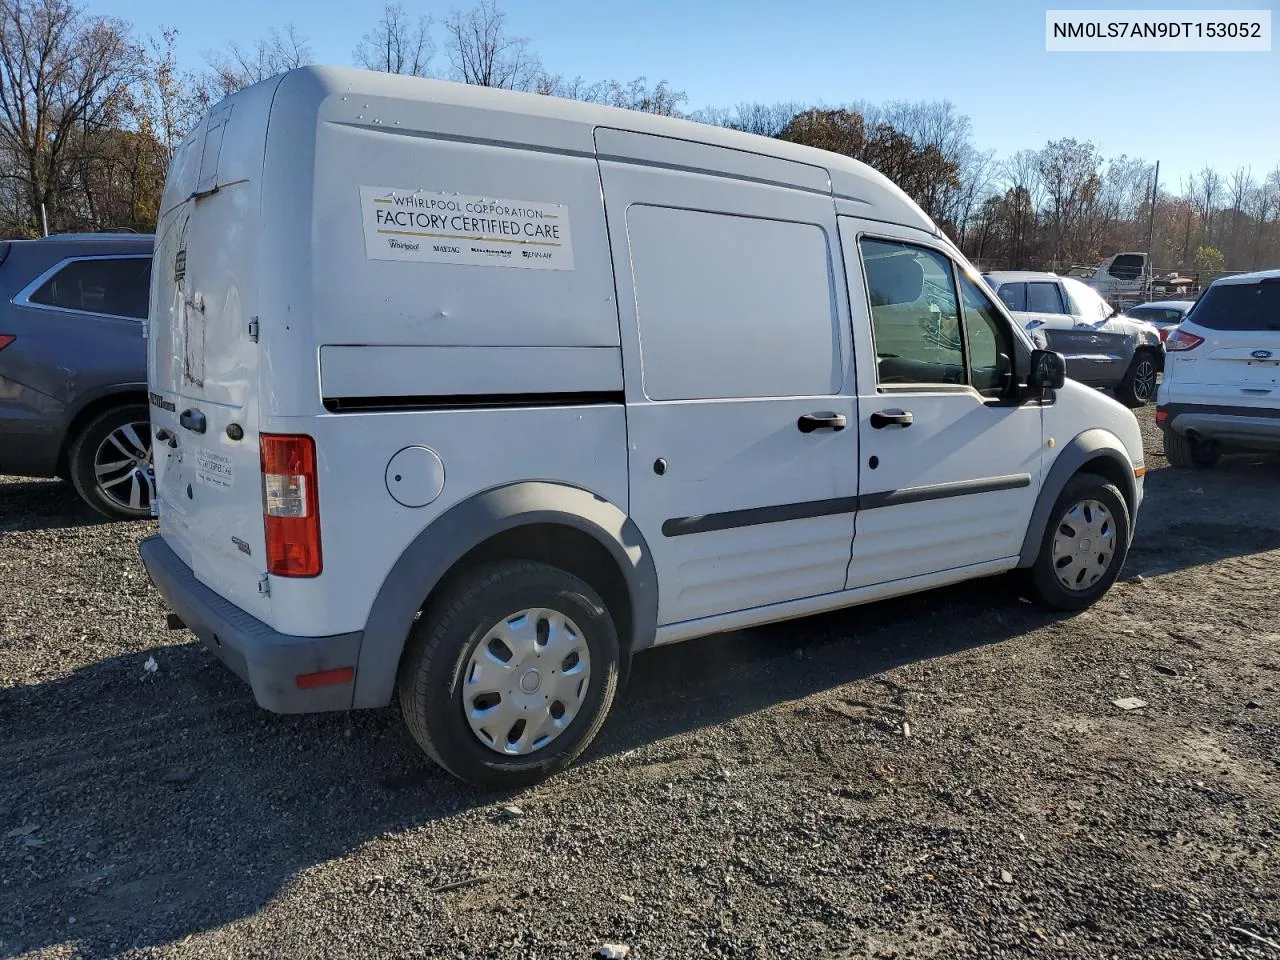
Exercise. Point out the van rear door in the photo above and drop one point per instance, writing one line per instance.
(203, 354)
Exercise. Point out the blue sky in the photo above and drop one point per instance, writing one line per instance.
(1184, 109)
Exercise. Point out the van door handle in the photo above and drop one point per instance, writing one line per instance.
(891, 418)
(192, 420)
(821, 421)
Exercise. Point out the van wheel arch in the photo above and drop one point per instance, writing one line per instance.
(562, 526)
(1095, 451)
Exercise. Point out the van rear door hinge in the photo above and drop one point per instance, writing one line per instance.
(264, 586)
(253, 329)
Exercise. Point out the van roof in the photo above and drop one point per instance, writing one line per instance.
(849, 178)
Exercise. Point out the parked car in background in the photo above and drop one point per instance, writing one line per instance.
(1122, 277)
(1221, 389)
(73, 366)
(1103, 349)
(1163, 314)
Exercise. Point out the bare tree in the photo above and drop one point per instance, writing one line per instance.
(1206, 201)
(762, 119)
(168, 100)
(482, 52)
(237, 67)
(398, 44)
(62, 74)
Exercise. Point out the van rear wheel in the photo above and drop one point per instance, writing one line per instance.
(510, 674)
(1084, 546)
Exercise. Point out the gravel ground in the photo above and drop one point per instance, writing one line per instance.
(940, 776)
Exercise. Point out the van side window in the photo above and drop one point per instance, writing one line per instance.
(915, 321)
(732, 307)
(118, 286)
(988, 339)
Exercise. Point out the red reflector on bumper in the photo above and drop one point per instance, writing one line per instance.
(326, 678)
(1162, 416)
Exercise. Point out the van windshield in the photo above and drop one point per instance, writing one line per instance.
(1239, 306)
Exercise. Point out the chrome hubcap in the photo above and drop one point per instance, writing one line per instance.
(526, 680)
(1144, 380)
(1084, 545)
(122, 466)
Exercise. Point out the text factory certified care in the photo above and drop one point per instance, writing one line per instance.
(417, 225)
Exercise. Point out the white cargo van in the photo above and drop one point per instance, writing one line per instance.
(465, 396)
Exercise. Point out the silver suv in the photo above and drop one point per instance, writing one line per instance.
(1103, 349)
(73, 366)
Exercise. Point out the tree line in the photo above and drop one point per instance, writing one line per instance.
(91, 113)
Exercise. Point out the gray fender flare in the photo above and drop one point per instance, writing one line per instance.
(1076, 454)
(466, 525)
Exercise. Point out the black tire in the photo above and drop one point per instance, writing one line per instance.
(1046, 588)
(432, 674)
(1185, 452)
(1138, 388)
(108, 500)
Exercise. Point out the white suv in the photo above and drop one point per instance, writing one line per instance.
(1221, 389)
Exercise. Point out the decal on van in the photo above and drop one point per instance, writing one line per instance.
(418, 225)
(214, 469)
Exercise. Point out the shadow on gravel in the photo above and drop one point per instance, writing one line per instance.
(149, 806)
(43, 505)
(1190, 518)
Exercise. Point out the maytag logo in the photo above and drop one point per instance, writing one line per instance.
(1262, 354)
(162, 403)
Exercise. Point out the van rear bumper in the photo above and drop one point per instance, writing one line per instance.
(269, 661)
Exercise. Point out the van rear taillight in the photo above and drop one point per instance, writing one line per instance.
(1180, 341)
(6, 339)
(290, 505)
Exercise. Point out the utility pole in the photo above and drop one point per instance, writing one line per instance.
(1151, 222)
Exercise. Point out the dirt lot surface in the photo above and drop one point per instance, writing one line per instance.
(940, 776)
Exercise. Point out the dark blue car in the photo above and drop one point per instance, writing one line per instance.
(73, 366)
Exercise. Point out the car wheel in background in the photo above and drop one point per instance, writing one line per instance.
(1186, 452)
(110, 463)
(1139, 384)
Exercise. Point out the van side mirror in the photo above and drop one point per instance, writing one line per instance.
(1048, 370)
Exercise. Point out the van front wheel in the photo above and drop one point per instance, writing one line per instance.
(510, 674)
(1084, 546)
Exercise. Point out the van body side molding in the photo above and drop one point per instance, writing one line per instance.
(466, 525)
(711, 522)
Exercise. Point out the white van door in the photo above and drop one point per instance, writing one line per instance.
(951, 464)
(736, 349)
(203, 363)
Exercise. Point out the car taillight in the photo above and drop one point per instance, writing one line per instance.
(290, 505)
(1180, 341)
(1164, 334)
(6, 339)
